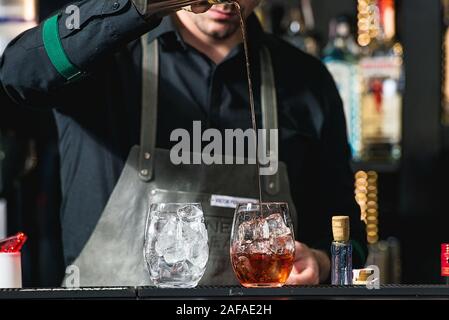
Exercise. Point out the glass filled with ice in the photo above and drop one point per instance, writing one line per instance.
(262, 244)
(176, 246)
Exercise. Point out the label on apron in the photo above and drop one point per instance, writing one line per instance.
(228, 201)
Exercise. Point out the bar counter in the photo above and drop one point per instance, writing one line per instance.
(235, 293)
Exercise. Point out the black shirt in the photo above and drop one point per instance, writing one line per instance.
(98, 117)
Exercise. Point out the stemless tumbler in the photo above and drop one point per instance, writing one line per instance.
(176, 246)
(262, 244)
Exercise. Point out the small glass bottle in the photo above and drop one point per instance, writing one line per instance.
(341, 251)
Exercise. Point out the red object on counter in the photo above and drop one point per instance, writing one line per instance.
(445, 260)
(13, 244)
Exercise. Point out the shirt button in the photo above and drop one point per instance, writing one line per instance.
(116, 5)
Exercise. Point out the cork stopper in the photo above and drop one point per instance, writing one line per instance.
(340, 228)
(364, 274)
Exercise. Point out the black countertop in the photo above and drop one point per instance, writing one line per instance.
(234, 293)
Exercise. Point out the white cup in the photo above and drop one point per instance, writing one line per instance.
(10, 270)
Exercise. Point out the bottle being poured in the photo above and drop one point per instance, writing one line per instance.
(151, 8)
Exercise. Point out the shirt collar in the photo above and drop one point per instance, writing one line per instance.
(167, 32)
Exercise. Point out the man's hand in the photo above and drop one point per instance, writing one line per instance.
(310, 266)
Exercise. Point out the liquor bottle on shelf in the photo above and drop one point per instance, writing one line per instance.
(445, 262)
(445, 93)
(382, 84)
(299, 25)
(341, 56)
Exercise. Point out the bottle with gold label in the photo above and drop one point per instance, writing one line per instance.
(382, 84)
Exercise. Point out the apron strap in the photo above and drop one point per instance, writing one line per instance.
(150, 83)
(150, 80)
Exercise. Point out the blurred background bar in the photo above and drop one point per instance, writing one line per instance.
(389, 59)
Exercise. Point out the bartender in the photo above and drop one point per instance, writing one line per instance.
(95, 93)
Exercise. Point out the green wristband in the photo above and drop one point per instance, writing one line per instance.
(55, 51)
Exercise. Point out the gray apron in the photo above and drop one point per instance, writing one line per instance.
(113, 255)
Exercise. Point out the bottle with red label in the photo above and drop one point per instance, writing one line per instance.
(445, 262)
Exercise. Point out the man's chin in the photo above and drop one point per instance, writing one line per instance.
(221, 30)
(219, 35)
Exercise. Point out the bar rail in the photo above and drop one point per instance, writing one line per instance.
(233, 293)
